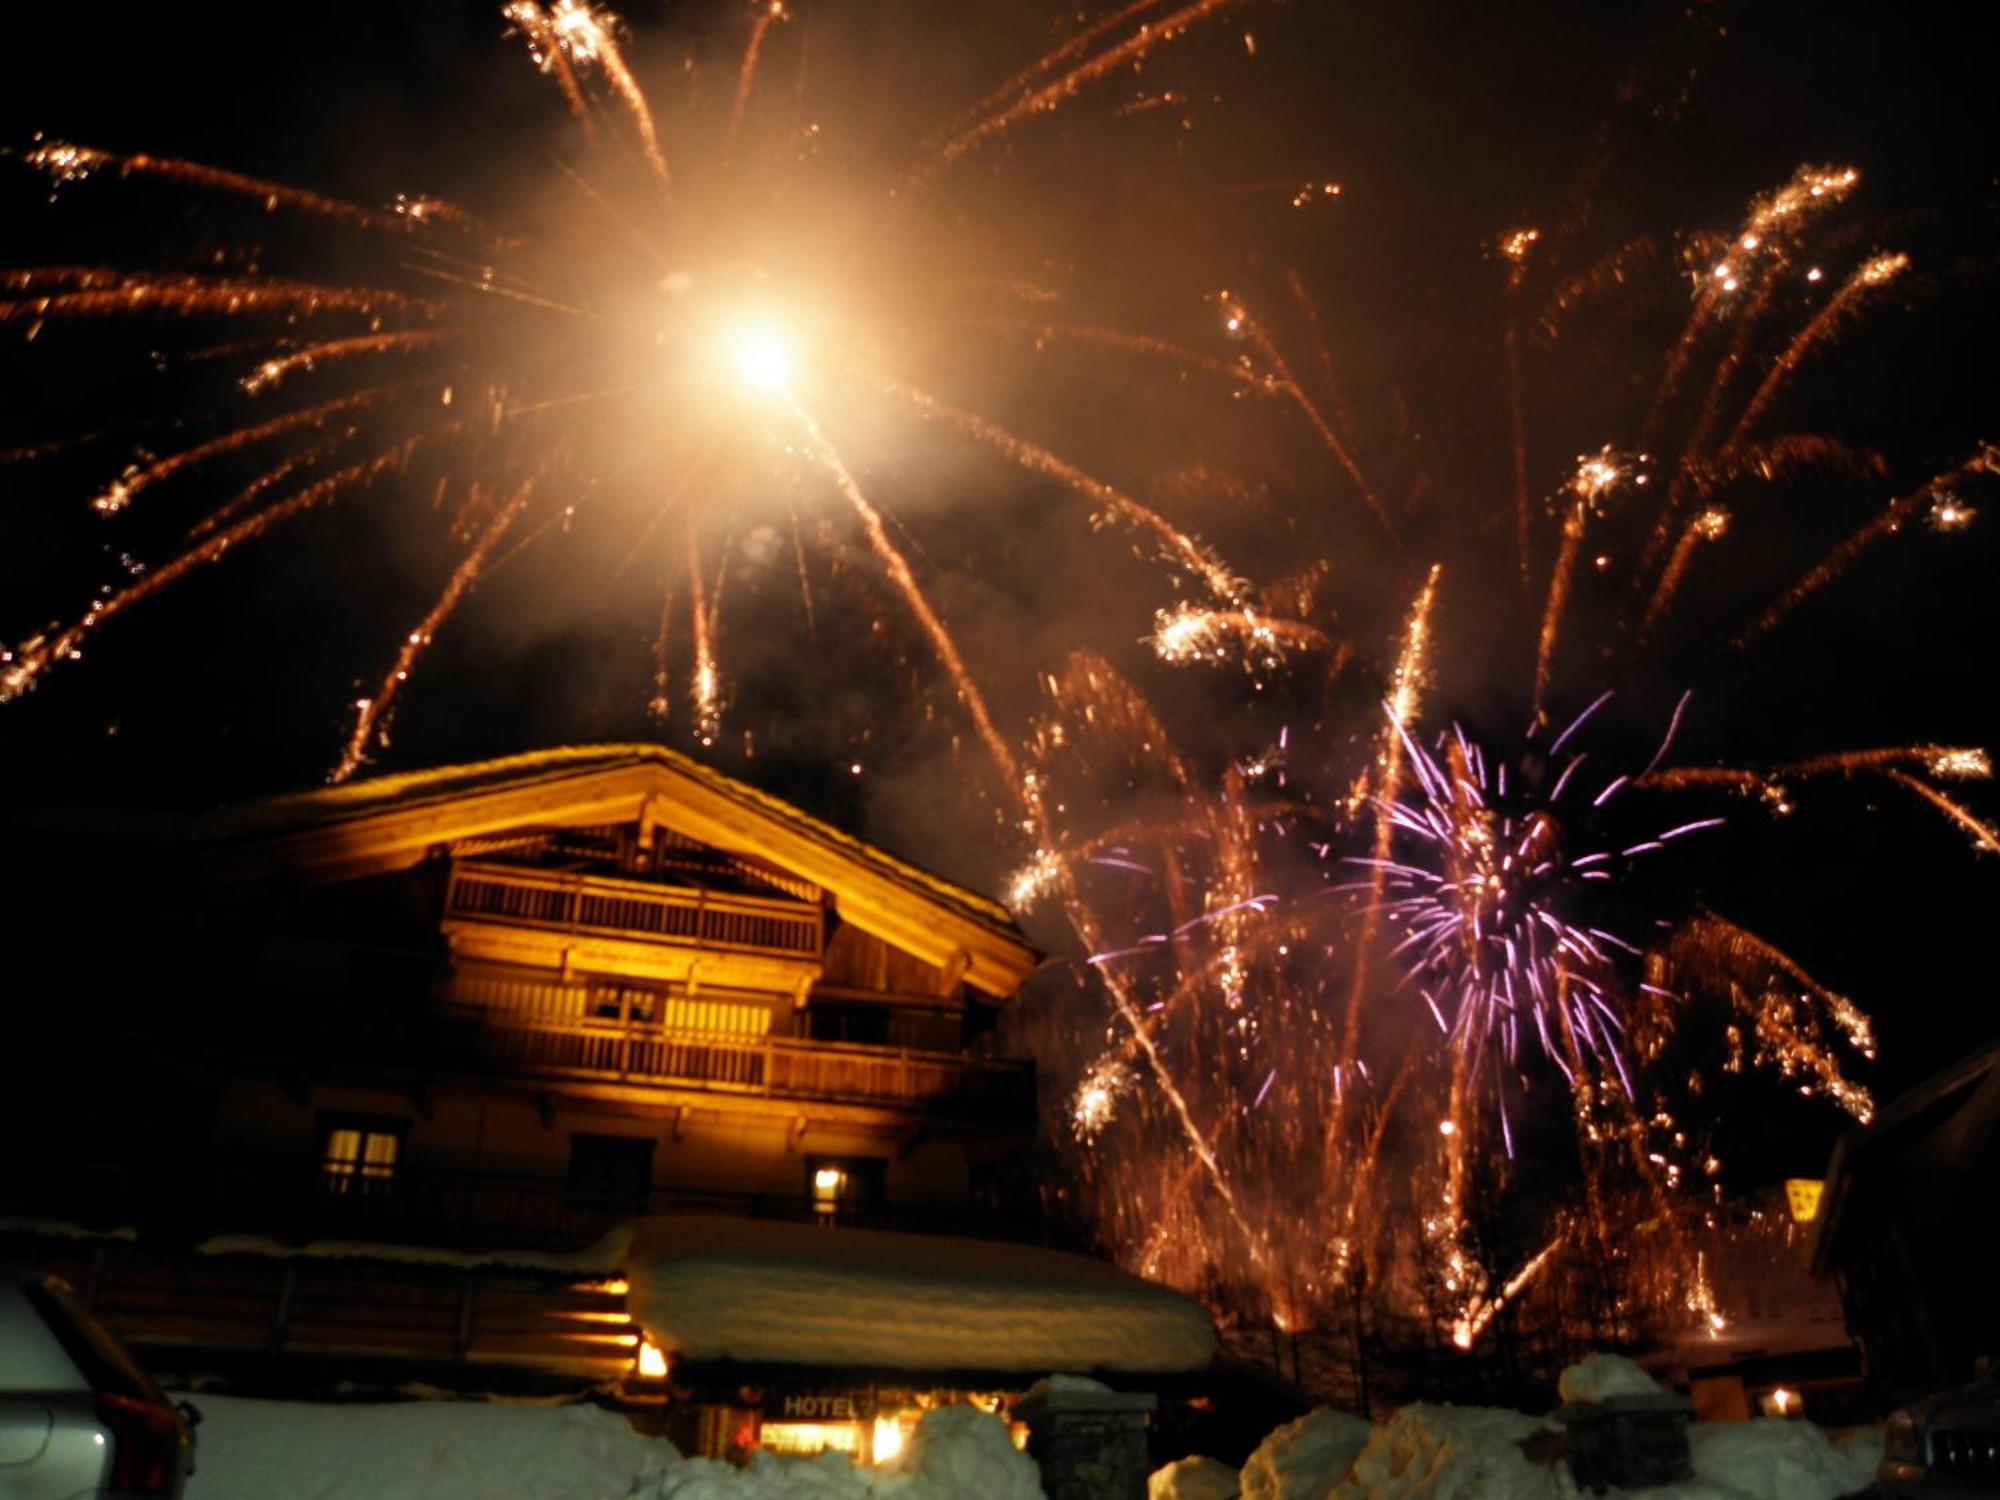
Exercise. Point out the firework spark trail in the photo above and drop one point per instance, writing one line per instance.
(120, 493)
(898, 569)
(1189, 635)
(552, 57)
(1049, 96)
(253, 492)
(1984, 838)
(1877, 272)
(278, 367)
(1596, 476)
(21, 668)
(705, 686)
(1048, 63)
(1957, 762)
(1695, 480)
(1775, 460)
(1757, 255)
(1612, 272)
(1514, 249)
(771, 13)
(1137, 343)
(1467, 1332)
(1177, 546)
(196, 296)
(1891, 520)
(634, 99)
(1710, 526)
(1406, 684)
(1749, 321)
(660, 705)
(1782, 1002)
(1027, 791)
(1774, 222)
(569, 36)
(372, 714)
(1240, 321)
(68, 162)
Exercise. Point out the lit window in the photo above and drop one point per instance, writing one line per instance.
(829, 1184)
(359, 1157)
(808, 1439)
(846, 1188)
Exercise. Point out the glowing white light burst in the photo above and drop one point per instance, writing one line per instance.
(761, 357)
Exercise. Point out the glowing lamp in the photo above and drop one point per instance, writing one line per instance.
(888, 1439)
(652, 1361)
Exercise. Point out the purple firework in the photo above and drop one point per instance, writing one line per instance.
(1483, 895)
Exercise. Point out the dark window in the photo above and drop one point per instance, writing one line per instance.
(632, 1003)
(360, 1153)
(850, 1023)
(611, 1171)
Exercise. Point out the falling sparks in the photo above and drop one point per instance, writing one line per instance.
(1188, 635)
(1483, 975)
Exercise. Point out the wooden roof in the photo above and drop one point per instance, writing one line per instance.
(391, 822)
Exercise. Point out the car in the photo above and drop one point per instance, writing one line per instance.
(1948, 1444)
(79, 1419)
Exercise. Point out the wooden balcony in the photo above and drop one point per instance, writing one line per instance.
(634, 911)
(440, 1036)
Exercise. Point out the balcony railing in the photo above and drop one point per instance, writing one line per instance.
(633, 909)
(289, 1199)
(442, 1035)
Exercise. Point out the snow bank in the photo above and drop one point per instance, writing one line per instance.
(1597, 1376)
(960, 1453)
(1302, 1460)
(1195, 1479)
(1861, 1446)
(1427, 1452)
(1771, 1456)
(710, 1288)
(417, 1450)
(1437, 1452)
(448, 1450)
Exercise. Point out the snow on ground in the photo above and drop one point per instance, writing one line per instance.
(1195, 1479)
(798, 1294)
(418, 1450)
(1597, 1376)
(1427, 1452)
(1305, 1457)
(468, 1450)
(465, 1450)
(1442, 1452)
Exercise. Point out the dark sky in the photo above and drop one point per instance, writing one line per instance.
(1445, 123)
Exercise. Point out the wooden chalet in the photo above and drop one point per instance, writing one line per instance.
(1909, 1229)
(495, 1006)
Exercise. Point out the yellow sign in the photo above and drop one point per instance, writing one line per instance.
(1802, 1193)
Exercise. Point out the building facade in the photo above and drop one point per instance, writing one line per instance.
(501, 1006)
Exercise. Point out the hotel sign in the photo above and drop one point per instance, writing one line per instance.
(818, 1406)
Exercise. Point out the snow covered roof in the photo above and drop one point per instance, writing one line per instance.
(739, 1289)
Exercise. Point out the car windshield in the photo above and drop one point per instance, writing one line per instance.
(102, 1359)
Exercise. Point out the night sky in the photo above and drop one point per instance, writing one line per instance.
(1445, 123)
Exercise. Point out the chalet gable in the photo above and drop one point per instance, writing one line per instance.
(680, 840)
